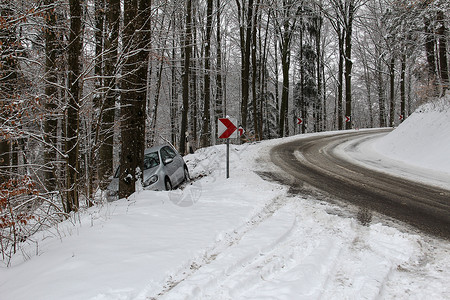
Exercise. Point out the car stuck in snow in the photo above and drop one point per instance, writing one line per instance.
(164, 169)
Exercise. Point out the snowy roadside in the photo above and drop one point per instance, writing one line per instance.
(123, 249)
(418, 149)
(236, 238)
(423, 139)
(367, 152)
(309, 249)
(241, 238)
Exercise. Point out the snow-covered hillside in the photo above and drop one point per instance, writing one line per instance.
(242, 237)
(423, 139)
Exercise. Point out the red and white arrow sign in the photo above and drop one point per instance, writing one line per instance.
(299, 121)
(347, 119)
(226, 128)
(400, 117)
(241, 130)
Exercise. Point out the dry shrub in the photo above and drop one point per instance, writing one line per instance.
(23, 211)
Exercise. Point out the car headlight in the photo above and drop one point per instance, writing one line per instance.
(151, 180)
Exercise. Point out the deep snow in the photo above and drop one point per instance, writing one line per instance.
(247, 238)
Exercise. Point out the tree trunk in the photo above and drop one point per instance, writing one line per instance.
(403, 88)
(245, 44)
(74, 82)
(246, 66)
(277, 89)
(107, 109)
(206, 130)
(318, 25)
(429, 48)
(5, 150)
(219, 111)
(187, 56)
(263, 92)
(303, 110)
(133, 97)
(392, 92)
(174, 91)
(99, 8)
(193, 94)
(340, 80)
(154, 111)
(98, 101)
(9, 85)
(285, 63)
(285, 45)
(368, 83)
(380, 90)
(51, 93)
(349, 64)
(442, 39)
(254, 68)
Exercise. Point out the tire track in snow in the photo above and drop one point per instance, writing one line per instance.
(210, 255)
(299, 254)
(236, 268)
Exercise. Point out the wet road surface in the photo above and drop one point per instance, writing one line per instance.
(311, 162)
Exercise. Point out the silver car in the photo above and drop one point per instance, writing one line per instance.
(164, 169)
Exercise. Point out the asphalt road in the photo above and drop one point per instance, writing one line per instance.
(312, 163)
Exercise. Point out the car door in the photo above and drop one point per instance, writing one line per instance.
(169, 167)
(178, 162)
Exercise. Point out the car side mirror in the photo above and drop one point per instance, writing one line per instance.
(168, 161)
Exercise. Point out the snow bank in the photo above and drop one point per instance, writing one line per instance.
(423, 139)
(236, 238)
(129, 248)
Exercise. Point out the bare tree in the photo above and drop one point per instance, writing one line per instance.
(187, 47)
(219, 109)
(134, 94)
(105, 133)
(286, 16)
(8, 84)
(246, 12)
(73, 107)
(206, 129)
(442, 36)
(52, 47)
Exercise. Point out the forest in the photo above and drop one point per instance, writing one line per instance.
(87, 85)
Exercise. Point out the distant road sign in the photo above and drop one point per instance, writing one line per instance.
(347, 119)
(241, 130)
(226, 128)
(299, 121)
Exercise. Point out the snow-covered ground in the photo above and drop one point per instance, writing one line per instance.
(244, 237)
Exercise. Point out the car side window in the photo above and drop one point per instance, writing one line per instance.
(164, 154)
(171, 152)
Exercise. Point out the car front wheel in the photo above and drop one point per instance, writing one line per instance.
(168, 184)
(187, 178)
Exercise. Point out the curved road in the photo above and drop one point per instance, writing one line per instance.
(311, 161)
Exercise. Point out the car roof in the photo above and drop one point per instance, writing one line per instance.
(155, 148)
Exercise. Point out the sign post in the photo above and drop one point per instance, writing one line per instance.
(228, 158)
(226, 129)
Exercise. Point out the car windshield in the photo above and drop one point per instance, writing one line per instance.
(151, 160)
